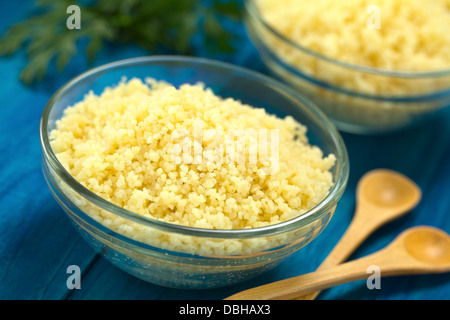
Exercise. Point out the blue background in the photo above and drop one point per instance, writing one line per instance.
(38, 243)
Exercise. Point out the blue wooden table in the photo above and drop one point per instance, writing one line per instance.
(38, 243)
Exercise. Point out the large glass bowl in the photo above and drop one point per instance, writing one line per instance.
(179, 256)
(357, 99)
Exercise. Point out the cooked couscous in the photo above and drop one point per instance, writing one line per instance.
(122, 145)
(390, 35)
(409, 35)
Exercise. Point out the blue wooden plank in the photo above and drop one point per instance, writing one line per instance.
(37, 242)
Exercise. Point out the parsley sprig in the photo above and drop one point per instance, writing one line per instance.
(152, 24)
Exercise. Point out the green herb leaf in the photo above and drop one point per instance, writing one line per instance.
(154, 24)
(37, 66)
(230, 9)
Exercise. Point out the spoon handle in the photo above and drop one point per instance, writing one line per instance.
(356, 233)
(359, 230)
(390, 264)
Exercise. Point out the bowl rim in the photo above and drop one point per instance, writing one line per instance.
(327, 204)
(251, 8)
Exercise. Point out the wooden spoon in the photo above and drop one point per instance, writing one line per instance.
(415, 251)
(382, 196)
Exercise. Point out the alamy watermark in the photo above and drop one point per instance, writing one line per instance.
(374, 280)
(74, 280)
(374, 20)
(240, 146)
(74, 20)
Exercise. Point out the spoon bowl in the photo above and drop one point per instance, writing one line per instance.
(388, 190)
(430, 246)
(418, 250)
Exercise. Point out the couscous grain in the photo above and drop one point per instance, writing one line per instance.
(125, 145)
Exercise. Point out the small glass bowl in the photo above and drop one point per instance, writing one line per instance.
(174, 255)
(410, 98)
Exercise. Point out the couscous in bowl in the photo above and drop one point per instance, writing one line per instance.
(175, 254)
(373, 67)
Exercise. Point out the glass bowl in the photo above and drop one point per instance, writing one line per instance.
(178, 256)
(350, 94)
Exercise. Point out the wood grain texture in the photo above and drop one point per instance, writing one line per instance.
(37, 241)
